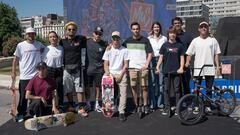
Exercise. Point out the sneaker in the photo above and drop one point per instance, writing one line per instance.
(165, 112)
(196, 110)
(115, 109)
(175, 114)
(98, 108)
(82, 112)
(173, 108)
(135, 110)
(146, 109)
(122, 117)
(208, 110)
(20, 118)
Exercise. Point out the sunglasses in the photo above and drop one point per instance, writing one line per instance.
(71, 29)
(98, 33)
(203, 26)
(115, 38)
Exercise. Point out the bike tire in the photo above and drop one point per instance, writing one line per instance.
(190, 109)
(226, 102)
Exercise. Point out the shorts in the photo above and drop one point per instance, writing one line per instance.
(133, 77)
(72, 82)
(95, 78)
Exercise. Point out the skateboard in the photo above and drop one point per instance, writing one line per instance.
(43, 122)
(107, 96)
(13, 110)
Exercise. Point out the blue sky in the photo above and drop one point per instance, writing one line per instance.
(26, 8)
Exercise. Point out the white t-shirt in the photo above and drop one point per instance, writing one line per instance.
(54, 56)
(29, 56)
(204, 51)
(116, 58)
(157, 44)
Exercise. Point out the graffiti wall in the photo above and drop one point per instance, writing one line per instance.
(118, 15)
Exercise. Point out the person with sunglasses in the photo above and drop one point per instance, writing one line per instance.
(116, 63)
(95, 50)
(206, 50)
(72, 75)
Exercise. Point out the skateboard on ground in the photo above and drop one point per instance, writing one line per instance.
(13, 110)
(107, 96)
(43, 122)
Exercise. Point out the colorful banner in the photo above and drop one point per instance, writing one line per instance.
(118, 15)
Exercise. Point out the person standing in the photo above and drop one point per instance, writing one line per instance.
(172, 57)
(95, 50)
(54, 61)
(206, 50)
(140, 54)
(72, 75)
(156, 96)
(41, 91)
(116, 63)
(28, 54)
(185, 39)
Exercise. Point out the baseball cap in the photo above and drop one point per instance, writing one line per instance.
(116, 33)
(70, 23)
(203, 23)
(98, 29)
(41, 65)
(30, 30)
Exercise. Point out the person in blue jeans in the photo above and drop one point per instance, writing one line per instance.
(155, 80)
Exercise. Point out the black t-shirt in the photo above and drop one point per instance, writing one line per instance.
(95, 51)
(141, 40)
(171, 56)
(72, 50)
(185, 39)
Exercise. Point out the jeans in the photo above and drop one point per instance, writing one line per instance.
(155, 92)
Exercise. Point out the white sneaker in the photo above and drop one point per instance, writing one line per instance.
(208, 110)
(98, 108)
(196, 110)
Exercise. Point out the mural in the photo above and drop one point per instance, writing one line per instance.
(118, 15)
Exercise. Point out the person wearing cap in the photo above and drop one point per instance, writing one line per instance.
(156, 80)
(116, 63)
(73, 80)
(41, 91)
(206, 50)
(140, 55)
(95, 50)
(185, 39)
(28, 54)
(54, 60)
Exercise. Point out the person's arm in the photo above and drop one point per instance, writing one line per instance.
(123, 71)
(14, 67)
(188, 60)
(149, 58)
(218, 73)
(180, 70)
(106, 67)
(29, 96)
(54, 106)
(158, 64)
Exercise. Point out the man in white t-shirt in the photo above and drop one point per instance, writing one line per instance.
(28, 53)
(116, 63)
(206, 50)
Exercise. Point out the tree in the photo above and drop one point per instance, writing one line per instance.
(9, 23)
(10, 45)
(42, 40)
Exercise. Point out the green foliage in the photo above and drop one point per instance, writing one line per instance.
(42, 40)
(9, 23)
(10, 45)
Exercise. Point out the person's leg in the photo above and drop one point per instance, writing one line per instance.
(59, 81)
(185, 81)
(123, 95)
(133, 83)
(166, 95)
(177, 87)
(68, 87)
(98, 81)
(152, 84)
(209, 84)
(160, 101)
(22, 104)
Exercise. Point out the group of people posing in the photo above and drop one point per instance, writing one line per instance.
(76, 64)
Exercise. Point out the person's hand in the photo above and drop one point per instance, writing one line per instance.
(187, 64)
(109, 47)
(118, 78)
(44, 101)
(144, 67)
(180, 71)
(107, 73)
(157, 71)
(218, 72)
(55, 110)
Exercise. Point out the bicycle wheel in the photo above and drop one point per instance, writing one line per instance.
(190, 109)
(226, 102)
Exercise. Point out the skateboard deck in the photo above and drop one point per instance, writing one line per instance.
(39, 123)
(13, 110)
(107, 95)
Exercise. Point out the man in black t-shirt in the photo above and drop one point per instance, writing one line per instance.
(172, 57)
(72, 75)
(95, 50)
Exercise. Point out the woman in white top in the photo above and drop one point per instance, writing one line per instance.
(54, 61)
(155, 83)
